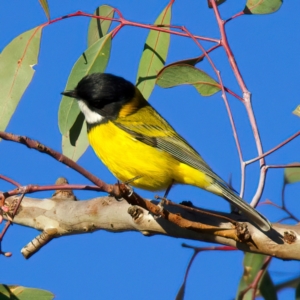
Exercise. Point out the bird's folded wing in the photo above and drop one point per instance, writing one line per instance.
(162, 136)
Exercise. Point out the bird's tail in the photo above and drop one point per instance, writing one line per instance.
(247, 210)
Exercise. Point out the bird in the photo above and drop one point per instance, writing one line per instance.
(139, 146)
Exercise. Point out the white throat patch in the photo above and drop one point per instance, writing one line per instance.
(90, 116)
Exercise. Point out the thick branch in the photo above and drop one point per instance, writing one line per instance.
(56, 218)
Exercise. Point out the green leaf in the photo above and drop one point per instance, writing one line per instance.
(75, 143)
(189, 61)
(297, 292)
(292, 175)
(45, 7)
(23, 293)
(259, 7)
(186, 74)
(99, 28)
(16, 71)
(154, 55)
(252, 265)
(297, 111)
(94, 59)
(4, 291)
(267, 288)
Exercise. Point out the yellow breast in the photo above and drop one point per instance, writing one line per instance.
(128, 158)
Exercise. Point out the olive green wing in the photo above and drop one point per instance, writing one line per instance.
(150, 128)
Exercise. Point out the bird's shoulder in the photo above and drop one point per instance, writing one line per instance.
(146, 121)
(149, 127)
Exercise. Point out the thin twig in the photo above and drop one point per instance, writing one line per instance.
(5, 178)
(32, 144)
(247, 99)
(273, 149)
(124, 22)
(255, 284)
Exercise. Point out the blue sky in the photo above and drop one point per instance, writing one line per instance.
(103, 265)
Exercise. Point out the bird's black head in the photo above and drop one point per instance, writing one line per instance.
(103, 93)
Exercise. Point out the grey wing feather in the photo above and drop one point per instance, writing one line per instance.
(175, 145)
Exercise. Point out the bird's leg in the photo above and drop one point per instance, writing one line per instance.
(168, 189)
(163, 199)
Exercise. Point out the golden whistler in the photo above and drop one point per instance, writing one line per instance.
(134, 141)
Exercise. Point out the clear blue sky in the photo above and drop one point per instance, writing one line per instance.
(130, 266)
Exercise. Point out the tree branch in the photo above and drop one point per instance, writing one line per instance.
(59, 217)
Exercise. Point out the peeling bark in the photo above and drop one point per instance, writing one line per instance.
(59, 217)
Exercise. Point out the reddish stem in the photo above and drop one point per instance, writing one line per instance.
(236, 138)
(9, 180)
(224, 41)
(255, 284)
(284, 208)
(58, 156)
(241, 13)
(273, 149)
(246, 95)
(124, 22)
(29, 189)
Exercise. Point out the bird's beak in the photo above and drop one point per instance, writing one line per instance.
(71, 94)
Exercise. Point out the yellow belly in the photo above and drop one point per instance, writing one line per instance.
(128, 158)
